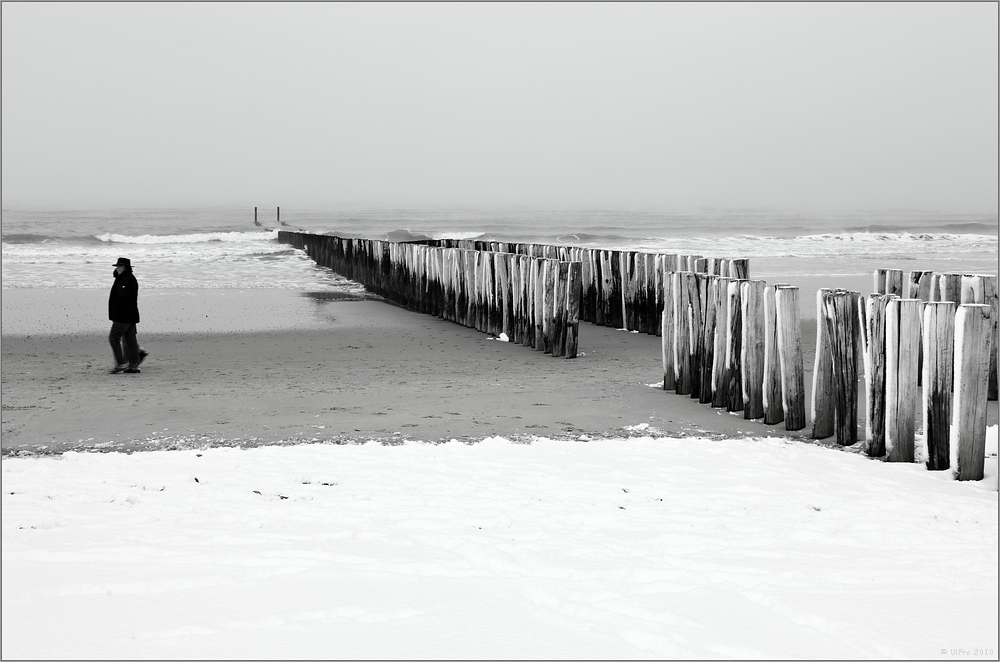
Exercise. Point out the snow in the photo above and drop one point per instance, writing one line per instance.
(616, 548)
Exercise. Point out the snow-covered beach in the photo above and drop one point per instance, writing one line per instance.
(610, 549)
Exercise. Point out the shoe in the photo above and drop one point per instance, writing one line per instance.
(121, 367)
(132, 371)
(142, 355)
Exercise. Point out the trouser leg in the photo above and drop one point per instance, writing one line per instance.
(115, 338)
(131, 346)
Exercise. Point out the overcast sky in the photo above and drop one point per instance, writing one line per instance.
(670, 106)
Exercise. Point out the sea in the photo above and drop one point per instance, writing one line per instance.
(230, 247)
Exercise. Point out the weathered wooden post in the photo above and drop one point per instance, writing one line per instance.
(950, 288)
(538, 312)
(793, 397)
(711, 287)
(720, 360)
(873, 326)
(971, 372)
(822, 404)
(682, 334)
(902, 337)
(841, 318)
(888, 281)
(752, 354)
(938, 343)
(560, 313)
(734, 346)
(695, 330)
(653, 287)
(983, 290)
(773, 412)
(739, 268)
(920, 285)
(574, 293)
(667, 335)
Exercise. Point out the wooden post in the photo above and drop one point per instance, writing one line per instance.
(983, 290)
(938, 343)
(841, 318)
(752, 355)
(720, 360)
(560, 313)
(793, 397)
(711, 287)
(734, 346)
(574, 294)
(950, 288)
(739, 268)
(667, 334)
(773, 412)
(538, 311)
(278, 217)
(682, 334)
(902, 337)
(888, 281)
(255, 222)
(920, 283)
(873, 326)
(549, 269)
(695, 331)
(971, 372)
(822, 404)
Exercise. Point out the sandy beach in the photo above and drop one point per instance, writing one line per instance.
(265, 366)
(251, 367)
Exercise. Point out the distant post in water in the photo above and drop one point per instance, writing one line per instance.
(968, 423)
(902, 337)
(793, 399)
(938, 342)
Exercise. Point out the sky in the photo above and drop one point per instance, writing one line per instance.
(805, 106)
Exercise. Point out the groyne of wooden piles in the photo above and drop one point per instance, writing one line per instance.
(533, 300)
(927, 346)
(503, 287)
(935, 333)
(732, 342)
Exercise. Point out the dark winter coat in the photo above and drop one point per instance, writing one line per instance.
(123, 304)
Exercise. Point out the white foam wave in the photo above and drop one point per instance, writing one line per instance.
(455, 235)
(195, 238)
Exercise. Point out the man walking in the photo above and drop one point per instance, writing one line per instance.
(123, 310)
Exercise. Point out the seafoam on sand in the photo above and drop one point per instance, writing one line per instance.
(616, 548)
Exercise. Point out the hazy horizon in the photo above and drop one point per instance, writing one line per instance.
(668, 107)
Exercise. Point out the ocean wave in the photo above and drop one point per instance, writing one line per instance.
(31, 238)
(193, 238)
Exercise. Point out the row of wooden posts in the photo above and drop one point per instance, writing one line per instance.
(529, 300)
(735, 344)
(502, 287)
